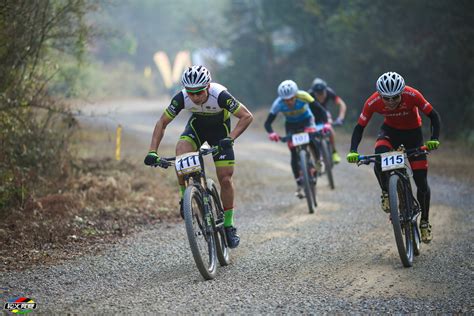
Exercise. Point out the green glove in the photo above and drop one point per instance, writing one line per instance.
(432, 144)
(352, 157)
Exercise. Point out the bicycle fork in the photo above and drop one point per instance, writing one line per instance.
(207, 214)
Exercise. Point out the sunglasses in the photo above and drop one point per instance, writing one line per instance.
(290, 99)
(394, 98)
(196, 91)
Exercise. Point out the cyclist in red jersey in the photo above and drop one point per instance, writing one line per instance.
(400, 106)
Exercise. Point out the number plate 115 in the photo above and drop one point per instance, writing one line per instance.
(392, 160)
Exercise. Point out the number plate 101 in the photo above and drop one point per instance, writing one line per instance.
(187, 163)
(392, 160)
(300, 139)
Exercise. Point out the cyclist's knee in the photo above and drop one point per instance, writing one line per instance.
(420, 176)
(224, 174)
(225, 180)
(183, 147)
(381, 147)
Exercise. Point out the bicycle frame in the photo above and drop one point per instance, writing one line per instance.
(414, 207)
(304, 152)
(199, 180)
(313, 141)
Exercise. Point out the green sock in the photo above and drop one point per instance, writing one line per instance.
(229, 217)
(182, 188)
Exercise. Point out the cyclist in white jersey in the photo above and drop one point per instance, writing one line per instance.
(211, 106)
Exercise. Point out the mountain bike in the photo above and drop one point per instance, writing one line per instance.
(203, 213)
(322, 139)
(305, 148)
(404, 207)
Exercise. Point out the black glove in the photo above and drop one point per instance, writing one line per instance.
(226, 143)
(152, 159)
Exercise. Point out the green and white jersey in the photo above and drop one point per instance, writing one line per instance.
(217, 109)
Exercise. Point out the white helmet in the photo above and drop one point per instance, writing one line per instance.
(196, 77)
(390, 84)
(287, 89)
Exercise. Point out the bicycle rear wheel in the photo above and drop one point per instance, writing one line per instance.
(327, 159)
(223, 251)
(309, 187)
(402, 224)
(200, 233)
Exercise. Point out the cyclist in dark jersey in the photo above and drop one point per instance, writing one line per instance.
(400, 106)
(324, 95)
(211, 106)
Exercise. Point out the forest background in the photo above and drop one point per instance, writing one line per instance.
(53, 52)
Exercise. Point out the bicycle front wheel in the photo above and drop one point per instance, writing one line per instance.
(402, 224)
(223, 251)
(200, 232)
(309, 187)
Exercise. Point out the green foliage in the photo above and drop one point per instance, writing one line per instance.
(34, 128)
(94, 79)
(33, 153)
(350, 43)
(147, 26)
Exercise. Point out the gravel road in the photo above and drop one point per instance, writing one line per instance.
(341, 259)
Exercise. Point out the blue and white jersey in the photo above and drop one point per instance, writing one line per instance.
(299, 112)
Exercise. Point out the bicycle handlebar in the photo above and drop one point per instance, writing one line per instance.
(367, 159)
(202, 152)
(288, 137)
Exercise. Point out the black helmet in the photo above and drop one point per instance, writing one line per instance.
(319, 85)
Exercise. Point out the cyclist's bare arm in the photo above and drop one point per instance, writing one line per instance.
(159, 131)
(342, 108)
(245, 118)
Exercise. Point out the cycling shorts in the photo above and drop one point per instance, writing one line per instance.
(198, 131)
(299, 126)
(411, 138)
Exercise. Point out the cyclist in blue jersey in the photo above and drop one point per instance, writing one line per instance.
(298, 108)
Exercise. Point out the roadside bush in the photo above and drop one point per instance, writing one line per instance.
(33, 157)
(34, 129)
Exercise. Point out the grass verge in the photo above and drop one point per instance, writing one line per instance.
(103, 201)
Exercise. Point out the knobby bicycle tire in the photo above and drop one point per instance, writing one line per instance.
(223, 251)
(193, 207)
(309, 188)
(401, 227)
(327, 158)
(416, 239)
(315, 156)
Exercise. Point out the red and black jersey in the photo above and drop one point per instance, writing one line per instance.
(405, 116)
(330, 96)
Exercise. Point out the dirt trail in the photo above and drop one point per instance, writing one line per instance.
(341, 259)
